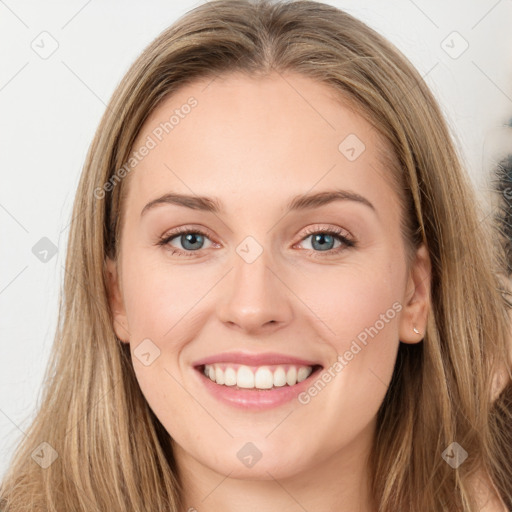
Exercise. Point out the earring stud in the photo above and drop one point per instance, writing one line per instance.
(416, 330)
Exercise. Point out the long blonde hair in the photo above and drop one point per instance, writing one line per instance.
(113, 454)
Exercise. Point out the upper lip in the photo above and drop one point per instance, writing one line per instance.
(267, 358)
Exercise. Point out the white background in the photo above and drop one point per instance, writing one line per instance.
(50, 109)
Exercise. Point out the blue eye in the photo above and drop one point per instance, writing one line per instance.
(189, 239)
(323, 240)
(192, 241)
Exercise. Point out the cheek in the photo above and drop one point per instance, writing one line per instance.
(159, 300)
(352, 298)
(158, 296)
(359, 309)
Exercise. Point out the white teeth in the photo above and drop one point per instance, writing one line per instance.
(302, 374)
(230, 377)
(244, 377)
(279, 377)
(291, 376)
(263, 377)
(219, 376)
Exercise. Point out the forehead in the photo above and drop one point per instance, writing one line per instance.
(256, 138)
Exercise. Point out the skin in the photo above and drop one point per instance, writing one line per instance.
(254, 143)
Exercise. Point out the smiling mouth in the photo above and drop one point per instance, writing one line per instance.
(261, 378)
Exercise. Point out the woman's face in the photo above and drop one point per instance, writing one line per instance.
(324, 282)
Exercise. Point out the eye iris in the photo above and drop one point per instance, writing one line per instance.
(190, 237)
(320, 237)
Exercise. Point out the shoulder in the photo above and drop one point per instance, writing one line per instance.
(487, 496)
(495, 505)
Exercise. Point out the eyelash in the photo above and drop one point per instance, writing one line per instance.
(336, 232)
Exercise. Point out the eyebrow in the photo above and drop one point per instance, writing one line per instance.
(300, 202)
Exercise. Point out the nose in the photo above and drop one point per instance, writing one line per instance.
(255, 298)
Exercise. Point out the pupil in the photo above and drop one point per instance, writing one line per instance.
(192, 238)
(321, 237)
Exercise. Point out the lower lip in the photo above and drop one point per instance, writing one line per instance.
(255, 399)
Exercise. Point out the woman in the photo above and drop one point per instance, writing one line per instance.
(215, 351)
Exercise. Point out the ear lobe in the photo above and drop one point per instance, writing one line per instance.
(115, 299)
(417, 298)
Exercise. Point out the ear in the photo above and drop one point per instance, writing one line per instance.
(115, 298)
(417, 298)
